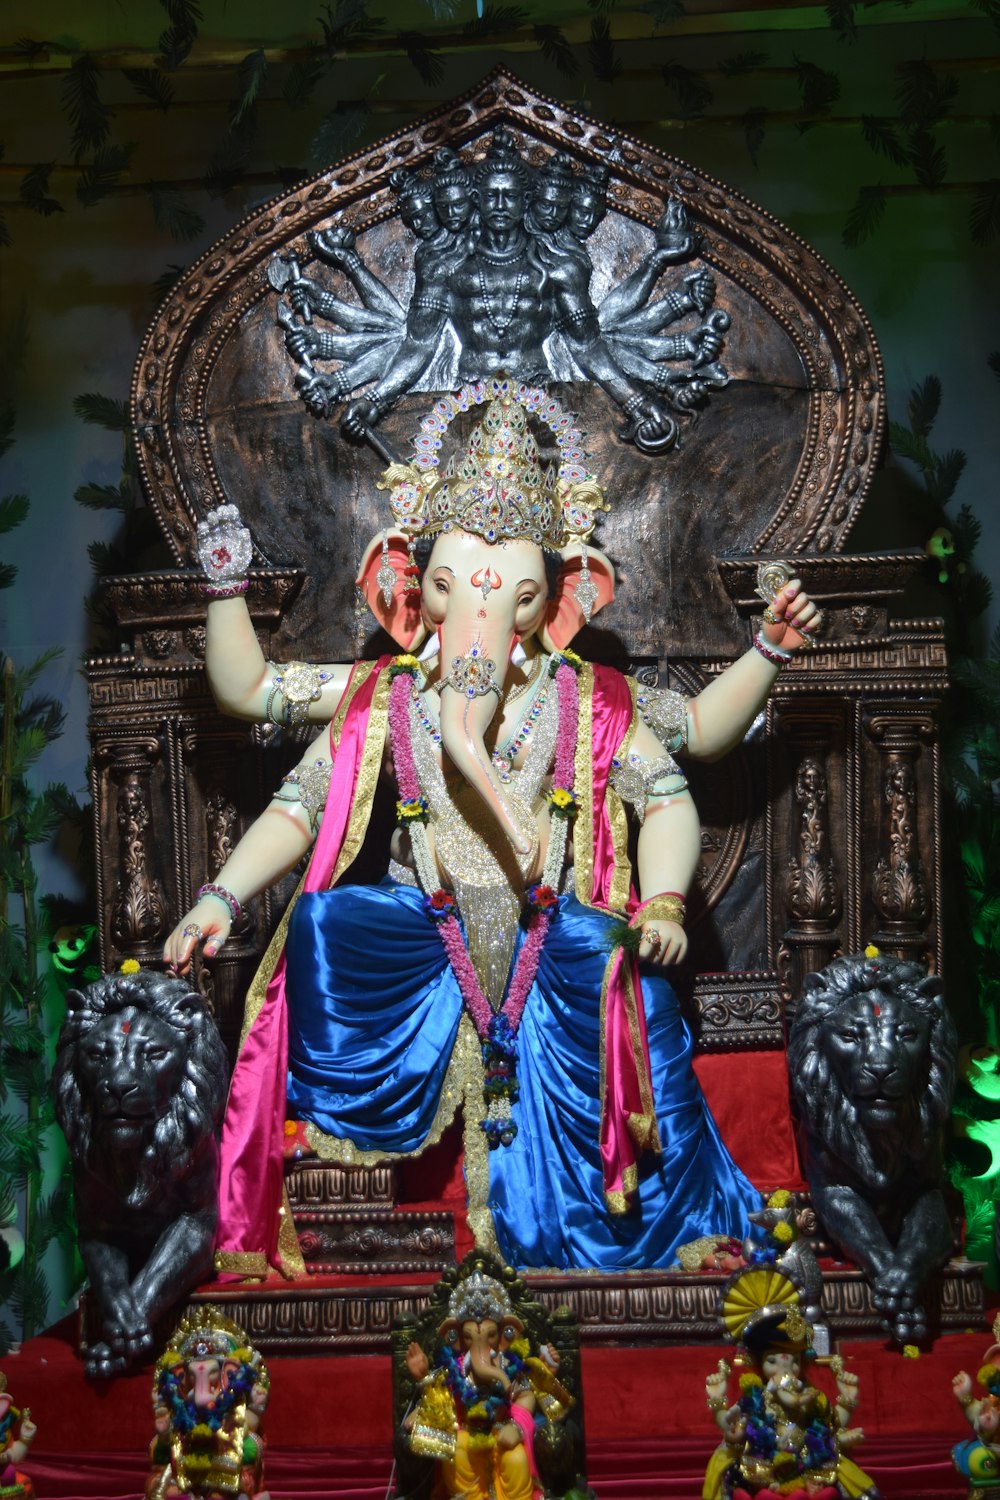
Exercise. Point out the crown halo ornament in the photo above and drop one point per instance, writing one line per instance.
(498, 488)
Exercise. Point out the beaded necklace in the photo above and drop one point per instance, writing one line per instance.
(497, 1032)
(503, 756)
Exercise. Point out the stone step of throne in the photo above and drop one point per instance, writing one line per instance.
(383, 1259)
(649, 1307)
(374, 1241)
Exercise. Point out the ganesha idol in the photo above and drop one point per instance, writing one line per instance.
(210, 1392)
(511, 961)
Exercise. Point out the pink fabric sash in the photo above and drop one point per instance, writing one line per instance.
(526, 1422)
(252, 1173)
(628, 1124)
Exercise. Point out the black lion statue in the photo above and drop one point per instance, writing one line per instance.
(140, 1084)
(872, 1056)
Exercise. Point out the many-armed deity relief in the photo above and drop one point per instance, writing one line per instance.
(502, 285)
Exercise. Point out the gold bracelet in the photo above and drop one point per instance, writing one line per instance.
(715, 1403)
(665, 908)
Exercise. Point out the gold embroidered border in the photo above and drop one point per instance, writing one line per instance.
(618, 1201)
(368, 774)
(583, 786)
(621, 874)
(257, 992)
(289, 1250)
(456, 1084)
(635, 1041)
(603, 1034)
(246, 1263)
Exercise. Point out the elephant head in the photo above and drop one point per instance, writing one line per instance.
(481, 599)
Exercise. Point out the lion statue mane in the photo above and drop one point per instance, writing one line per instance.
(140, 1085)
(872, 1060)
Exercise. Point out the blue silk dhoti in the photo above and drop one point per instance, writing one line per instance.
(374, 1010)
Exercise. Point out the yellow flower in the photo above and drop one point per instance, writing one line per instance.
(783, 1233)
(408, 662)
(872, 952)
(560, 797)
(910, 1351)
(130, 966)
(779, 1199)
(748, 1382)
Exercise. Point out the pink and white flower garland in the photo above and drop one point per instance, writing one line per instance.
(497, 1031)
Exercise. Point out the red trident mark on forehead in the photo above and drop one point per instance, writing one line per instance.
(126, 1027)
(486, 580)
(876, 1008)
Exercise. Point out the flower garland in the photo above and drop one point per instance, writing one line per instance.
(497, 1032)
(483, 1414)
(762, 1413)
(187, 1417)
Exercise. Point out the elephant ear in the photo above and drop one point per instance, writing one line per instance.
(401, 617)
(563, 617)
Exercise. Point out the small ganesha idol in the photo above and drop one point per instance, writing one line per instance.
(210, 1390)
(977, 1458)
(17, 1432)
(782, 1437)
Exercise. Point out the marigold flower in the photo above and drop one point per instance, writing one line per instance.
(783, 1233)
(130, 966)
(780, 1198)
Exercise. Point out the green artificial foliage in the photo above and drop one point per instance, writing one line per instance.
(34, 1179)
(972, 823)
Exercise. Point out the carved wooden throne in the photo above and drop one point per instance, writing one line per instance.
(821, 832)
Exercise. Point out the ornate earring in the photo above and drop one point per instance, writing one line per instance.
(411, 572)
(386, 575)
(585, 592)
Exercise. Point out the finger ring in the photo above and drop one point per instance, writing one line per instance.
(770, 617)
(651, 936)
(192, 930)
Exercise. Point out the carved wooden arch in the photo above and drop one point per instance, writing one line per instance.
(779, 462)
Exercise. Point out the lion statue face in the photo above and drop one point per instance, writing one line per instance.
(128, 1067)
(877, 1046)
(871, 1056)
(140, 1080)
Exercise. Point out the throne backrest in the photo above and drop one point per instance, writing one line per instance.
(801, 849)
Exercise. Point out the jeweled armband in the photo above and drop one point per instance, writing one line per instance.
(311, 784)
(636, 779)
(664, 711)
(299, 685)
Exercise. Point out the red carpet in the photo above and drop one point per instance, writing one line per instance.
(328, 1424)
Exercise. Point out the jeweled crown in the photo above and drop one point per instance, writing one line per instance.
(479, 1297)
(498, 488)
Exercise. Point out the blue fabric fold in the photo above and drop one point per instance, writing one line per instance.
(373, 1014)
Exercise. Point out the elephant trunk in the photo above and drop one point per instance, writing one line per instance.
(485, 1368)
(465, 720)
